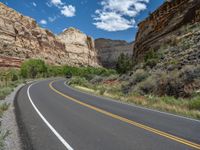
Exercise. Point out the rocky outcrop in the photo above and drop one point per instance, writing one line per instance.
(80, 47)
(161, 25)
(22, 38)
(109, 50)
(8, 62)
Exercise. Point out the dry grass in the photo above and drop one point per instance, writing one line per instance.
(167, 104)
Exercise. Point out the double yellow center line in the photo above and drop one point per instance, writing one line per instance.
(158, 132)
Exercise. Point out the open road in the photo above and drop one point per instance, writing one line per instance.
(53, 116)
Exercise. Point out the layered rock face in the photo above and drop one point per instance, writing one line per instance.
(22, 38)
(80, 47)
(7, 62)
(110, 50)
(162, 24)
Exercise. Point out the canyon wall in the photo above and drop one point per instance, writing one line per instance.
(21, 38)
(109, 50)
(80, 47)
(162, 24)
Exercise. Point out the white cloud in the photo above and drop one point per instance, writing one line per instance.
(34, 4)
(56, 2)
(44, 22)
(118, 15)
(68, 11)
(111, 21)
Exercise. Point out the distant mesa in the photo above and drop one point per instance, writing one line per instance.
(109, 50)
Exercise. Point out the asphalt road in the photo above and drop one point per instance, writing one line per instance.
(53, 116)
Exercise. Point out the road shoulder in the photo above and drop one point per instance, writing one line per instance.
(9, 123)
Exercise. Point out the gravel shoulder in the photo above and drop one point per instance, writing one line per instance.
(9, 123)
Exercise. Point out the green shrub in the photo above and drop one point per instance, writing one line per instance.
(151, 55)
(124, 64)
(152, 58)
(90, 76)
(79, 81)
(171, 100)
(15, 74)
(189, 73)
(4, 107)
(33, 68)
(195, 104)
(5, 91)
(3, 135)
(151, 63)
(37, 68)
(102, 90)
(85, 71)
(174, 62)
(185, 45)
(170, 84)
(112, 77)
(147, 86)
(97, 79)
(53, 71)
(139, 76)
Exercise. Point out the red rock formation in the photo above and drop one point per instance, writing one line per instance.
(162, 22)
(10, 62)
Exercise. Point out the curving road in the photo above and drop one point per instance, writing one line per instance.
(53, 116)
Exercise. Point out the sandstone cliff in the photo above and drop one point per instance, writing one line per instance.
(110, 50)
(22, 38)
(80, 47)
(161, 25)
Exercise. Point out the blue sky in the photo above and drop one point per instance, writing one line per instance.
(114, 19)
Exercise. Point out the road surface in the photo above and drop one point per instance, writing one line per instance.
(53, 116)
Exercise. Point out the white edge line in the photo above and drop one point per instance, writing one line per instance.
(47, 123)
(144, 108)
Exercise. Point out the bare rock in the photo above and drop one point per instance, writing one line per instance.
(79, 46)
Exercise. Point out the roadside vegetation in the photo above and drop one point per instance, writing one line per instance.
(9, 79)
(165, 80)
(36, 68)
(175, 91)
(115, 88)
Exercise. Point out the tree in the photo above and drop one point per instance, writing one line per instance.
(124, 63)
(33, 68)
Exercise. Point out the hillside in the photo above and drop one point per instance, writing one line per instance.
(166, 50)
(163, 24)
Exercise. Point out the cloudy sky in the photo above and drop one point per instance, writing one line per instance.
(114, 19)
